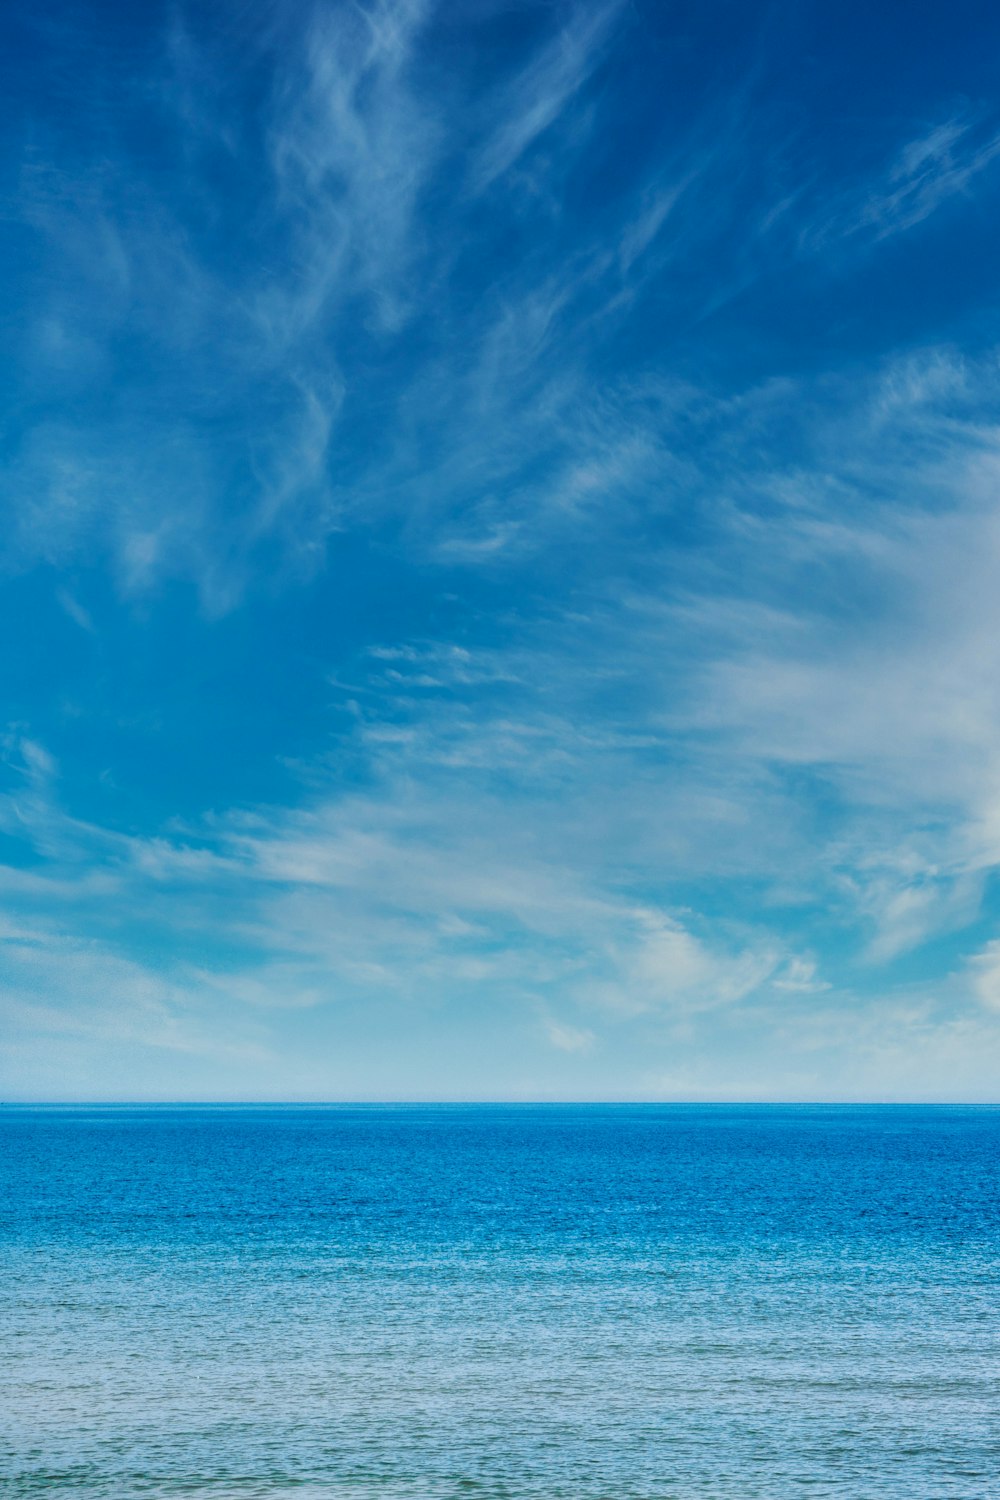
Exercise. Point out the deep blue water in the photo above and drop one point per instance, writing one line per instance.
(479, 1302)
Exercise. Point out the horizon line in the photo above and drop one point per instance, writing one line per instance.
(459, 1103)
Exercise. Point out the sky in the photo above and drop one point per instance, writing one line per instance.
(500, 550)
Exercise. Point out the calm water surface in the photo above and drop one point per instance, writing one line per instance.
(485, 1302)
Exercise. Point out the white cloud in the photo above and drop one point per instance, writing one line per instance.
(535, 99)
(929, 170)
(800, 976)
(572, 1039)
(657, 964)
(922, 175)
(984, 968)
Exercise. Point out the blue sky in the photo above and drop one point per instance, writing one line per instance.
(500, 551)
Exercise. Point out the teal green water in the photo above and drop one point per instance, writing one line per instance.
(500, 1302)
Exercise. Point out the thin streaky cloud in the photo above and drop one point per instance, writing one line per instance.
(536, 98)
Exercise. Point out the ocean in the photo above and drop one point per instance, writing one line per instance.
(476, 1302)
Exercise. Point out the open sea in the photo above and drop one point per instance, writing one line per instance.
(468, 1303)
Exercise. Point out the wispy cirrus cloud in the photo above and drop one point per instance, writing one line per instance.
(532, 102)
(919, 177)
(493, 442)
(930, 169)
(366, 354)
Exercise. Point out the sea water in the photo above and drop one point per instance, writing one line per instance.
(478, 1302)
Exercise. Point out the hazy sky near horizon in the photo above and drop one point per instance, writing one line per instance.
(500, 550)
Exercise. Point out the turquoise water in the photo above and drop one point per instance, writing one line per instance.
(491, 1301)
